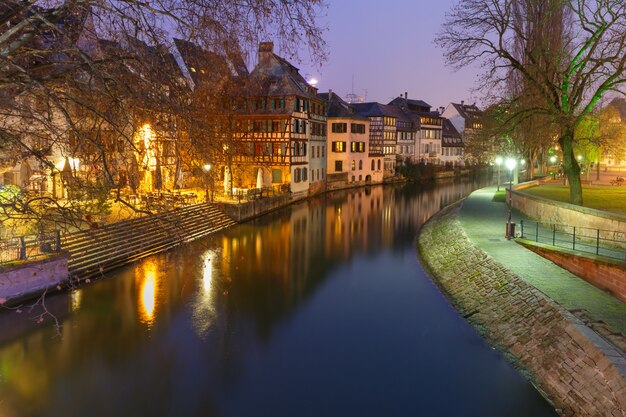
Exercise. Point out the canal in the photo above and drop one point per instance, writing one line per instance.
(320, 309)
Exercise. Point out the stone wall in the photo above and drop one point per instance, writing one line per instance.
(537, 335)
(18, 282)
(604, 273)
(245, 211)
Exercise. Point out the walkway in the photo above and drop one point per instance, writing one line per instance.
(484, 223)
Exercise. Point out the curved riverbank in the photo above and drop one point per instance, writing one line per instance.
(541, 338)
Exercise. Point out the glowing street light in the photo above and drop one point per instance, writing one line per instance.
(207, 168)
(510, 164)
(498, 163)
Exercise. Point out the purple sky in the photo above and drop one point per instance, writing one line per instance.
(389, 48)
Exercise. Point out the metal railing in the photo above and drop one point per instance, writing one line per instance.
(30, 246)
(600, 242)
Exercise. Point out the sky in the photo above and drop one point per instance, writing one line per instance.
(387, 48)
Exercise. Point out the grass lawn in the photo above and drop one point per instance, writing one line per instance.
(500, 196)
(608, 198)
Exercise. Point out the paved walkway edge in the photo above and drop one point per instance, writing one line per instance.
(545, 342)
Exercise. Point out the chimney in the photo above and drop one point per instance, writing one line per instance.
(266, 50)
(462, 102)
(330, 94)
(441, 109)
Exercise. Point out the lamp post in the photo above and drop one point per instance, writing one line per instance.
(207, 168)
(510, 164)
(498, 163)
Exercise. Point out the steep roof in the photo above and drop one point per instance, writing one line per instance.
(620, 105)
(411, 104)
(374, 109)
(450, 137)
(275, 76)
(338, 108)
(467, 111)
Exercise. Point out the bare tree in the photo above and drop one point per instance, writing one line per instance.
(564, 73)
(84, 77)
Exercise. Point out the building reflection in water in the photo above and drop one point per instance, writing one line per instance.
(146, 277)
(234, 289)
(205, 303)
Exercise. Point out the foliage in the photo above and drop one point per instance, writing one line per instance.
(552, 59)
(83, 80)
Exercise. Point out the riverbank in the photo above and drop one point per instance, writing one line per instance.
(547, 343)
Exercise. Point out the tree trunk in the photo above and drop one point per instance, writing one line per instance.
(571, 168)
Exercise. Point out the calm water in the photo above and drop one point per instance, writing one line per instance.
(321, 309)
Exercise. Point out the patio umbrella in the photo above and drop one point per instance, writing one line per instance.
(66, 172)
(133, 175)
(226, 180)
(259, 178)
(25, 173)
(178, 176)
(158, 176)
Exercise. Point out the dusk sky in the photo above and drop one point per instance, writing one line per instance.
(389, 48)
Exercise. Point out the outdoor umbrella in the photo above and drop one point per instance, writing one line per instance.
(25, 173)
(259, 179)
(133, 175)
(226, 180)
(158, 177)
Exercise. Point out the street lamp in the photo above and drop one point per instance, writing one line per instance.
(498, 163)
(510, 164)
(207, 168)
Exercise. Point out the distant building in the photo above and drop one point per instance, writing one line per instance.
(349, 160)
(452, 147)
(382, 137)
(426, 125)
(466, 119)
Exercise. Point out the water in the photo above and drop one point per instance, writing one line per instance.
(321, 309)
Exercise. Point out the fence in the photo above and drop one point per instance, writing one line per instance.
(583, 239)
(28, 247)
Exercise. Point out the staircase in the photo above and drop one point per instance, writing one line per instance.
(96, 251)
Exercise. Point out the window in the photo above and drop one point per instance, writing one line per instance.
(304, 174)
(353, 178)
(338, 147)
(357, 128)
(322, 151)
(296, 175)
(353, 165)
(318, 151)
(322, 173)
(338, 166)
(339, 127)
(379, 164)
(360, 165)
(277, 175)
(373, 165)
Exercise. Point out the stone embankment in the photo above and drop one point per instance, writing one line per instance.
(543, 340)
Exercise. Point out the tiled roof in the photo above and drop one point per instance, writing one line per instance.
(275, 76)
(467, 111)
(449, 135)
(411, 104)
(338, 108)
(373, 109)
(620, 106)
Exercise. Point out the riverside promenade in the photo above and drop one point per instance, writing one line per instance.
(561, 332)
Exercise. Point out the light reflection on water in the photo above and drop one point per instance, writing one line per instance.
(299, 312)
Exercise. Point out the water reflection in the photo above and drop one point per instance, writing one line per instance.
(278, 314)
(146, 276)
(204, 305)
